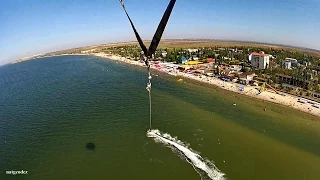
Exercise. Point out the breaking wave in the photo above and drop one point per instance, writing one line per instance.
(203, 167)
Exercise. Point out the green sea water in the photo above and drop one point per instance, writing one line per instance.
(51, 108)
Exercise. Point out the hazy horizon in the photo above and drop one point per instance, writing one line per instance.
(36, 27)
(182, 39)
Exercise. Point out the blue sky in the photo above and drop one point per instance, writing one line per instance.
(29, 27)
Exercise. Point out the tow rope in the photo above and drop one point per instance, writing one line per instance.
(147, 53)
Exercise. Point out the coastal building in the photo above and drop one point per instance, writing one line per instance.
(211, 60)
(293, 62)
(235, 68)
(286, 64)
(164, 53)
(192, 50)
(244, 81)
(281, 78)
(247, 75)
(291, 87)
(259, 60)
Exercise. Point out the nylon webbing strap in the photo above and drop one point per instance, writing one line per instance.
(154, 43)
(159, 32)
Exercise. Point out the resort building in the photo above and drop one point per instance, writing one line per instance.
(293, 62)
(281, 78)
(192, 50)
(246, 77)
(291, 87)
(286, 64)
(164, 53)
(259, 60)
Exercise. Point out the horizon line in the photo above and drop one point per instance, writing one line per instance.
(181, 39)
(199, 39)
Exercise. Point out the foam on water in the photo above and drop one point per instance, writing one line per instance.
(193, 157)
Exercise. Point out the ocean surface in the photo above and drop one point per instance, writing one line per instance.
(51, 108)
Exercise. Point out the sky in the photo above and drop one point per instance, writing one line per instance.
(29, 27)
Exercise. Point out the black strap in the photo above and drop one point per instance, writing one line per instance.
(158, 34)
(162, 25)
(143, 47)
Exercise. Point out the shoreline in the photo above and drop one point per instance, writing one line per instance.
(289, 101)
(249, 91)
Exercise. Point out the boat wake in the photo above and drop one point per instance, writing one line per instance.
(205, 168)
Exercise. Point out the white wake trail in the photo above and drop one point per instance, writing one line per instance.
(194, 158)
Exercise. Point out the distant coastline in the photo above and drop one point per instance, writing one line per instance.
(191, 42)
(288, 101)
(44, 56)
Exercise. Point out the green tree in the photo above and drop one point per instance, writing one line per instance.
(310, 87)
(318, 88)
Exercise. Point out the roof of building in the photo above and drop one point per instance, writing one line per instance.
(259, 54)
(291, 59)
(210, 60)
(247, 73)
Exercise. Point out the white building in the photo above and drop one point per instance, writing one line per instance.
(287, 63)
(164, 53)
(192, 50)
(259, 60)
(294, 62)
(235, 68)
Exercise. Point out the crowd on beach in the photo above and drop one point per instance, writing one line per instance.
(284, 99)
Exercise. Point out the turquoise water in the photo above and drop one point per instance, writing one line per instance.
(51, 108)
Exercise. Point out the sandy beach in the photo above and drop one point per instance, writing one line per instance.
(287, 100)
